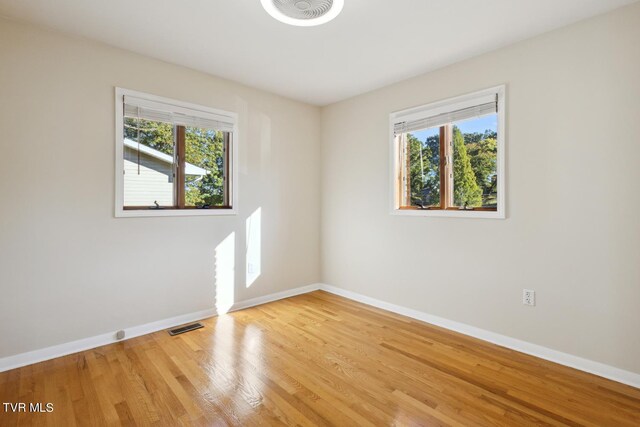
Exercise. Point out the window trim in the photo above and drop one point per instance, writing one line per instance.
(232, 160)
(439, 107)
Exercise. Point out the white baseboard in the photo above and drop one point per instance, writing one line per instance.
(274, 297)
(596, 368)
(40, 355)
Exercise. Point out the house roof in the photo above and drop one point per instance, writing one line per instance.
(188, 170)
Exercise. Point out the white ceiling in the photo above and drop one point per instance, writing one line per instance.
(371, 44)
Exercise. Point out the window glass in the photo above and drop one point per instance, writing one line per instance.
(205, 167)
(449, 157)
(423, 148)
(174, 158)
(148, 163)
(475, 162)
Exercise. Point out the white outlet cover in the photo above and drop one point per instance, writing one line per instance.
(529, 297)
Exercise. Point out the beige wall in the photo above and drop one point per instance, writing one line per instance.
(573, 197)
(68, 268)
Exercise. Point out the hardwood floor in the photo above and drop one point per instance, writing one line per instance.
(315, 359)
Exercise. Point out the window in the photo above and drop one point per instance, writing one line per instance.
(448, 157)
(173, 158)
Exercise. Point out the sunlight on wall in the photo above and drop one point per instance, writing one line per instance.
(225, 273)
(253, 256)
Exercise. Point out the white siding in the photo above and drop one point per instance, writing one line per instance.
(152, 182)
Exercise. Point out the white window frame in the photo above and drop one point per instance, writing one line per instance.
(440, 107)
(229, 117)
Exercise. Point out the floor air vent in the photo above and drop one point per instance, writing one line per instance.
(187, 328)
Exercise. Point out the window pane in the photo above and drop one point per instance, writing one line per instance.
(204, 168)
(424, 174)
(475, 177)
(148, 163)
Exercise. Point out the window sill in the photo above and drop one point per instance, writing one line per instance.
(451, 213)
(146, 213)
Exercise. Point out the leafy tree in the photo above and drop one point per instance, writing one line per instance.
(483, 161)
(470, 138)
(156, 135)
(205, 148)
(466, 191)
(483, 150)
(424, 158)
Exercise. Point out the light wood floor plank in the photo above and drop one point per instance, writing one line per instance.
(313, 360)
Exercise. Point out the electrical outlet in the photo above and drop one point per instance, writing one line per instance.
(528, 297)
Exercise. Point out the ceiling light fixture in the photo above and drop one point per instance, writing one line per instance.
(303, 13)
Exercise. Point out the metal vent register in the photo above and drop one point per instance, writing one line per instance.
(187, 328)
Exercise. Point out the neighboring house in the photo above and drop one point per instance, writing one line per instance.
(153, 179)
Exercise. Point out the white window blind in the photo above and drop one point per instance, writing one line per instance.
(145, 109)
(430, 121)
